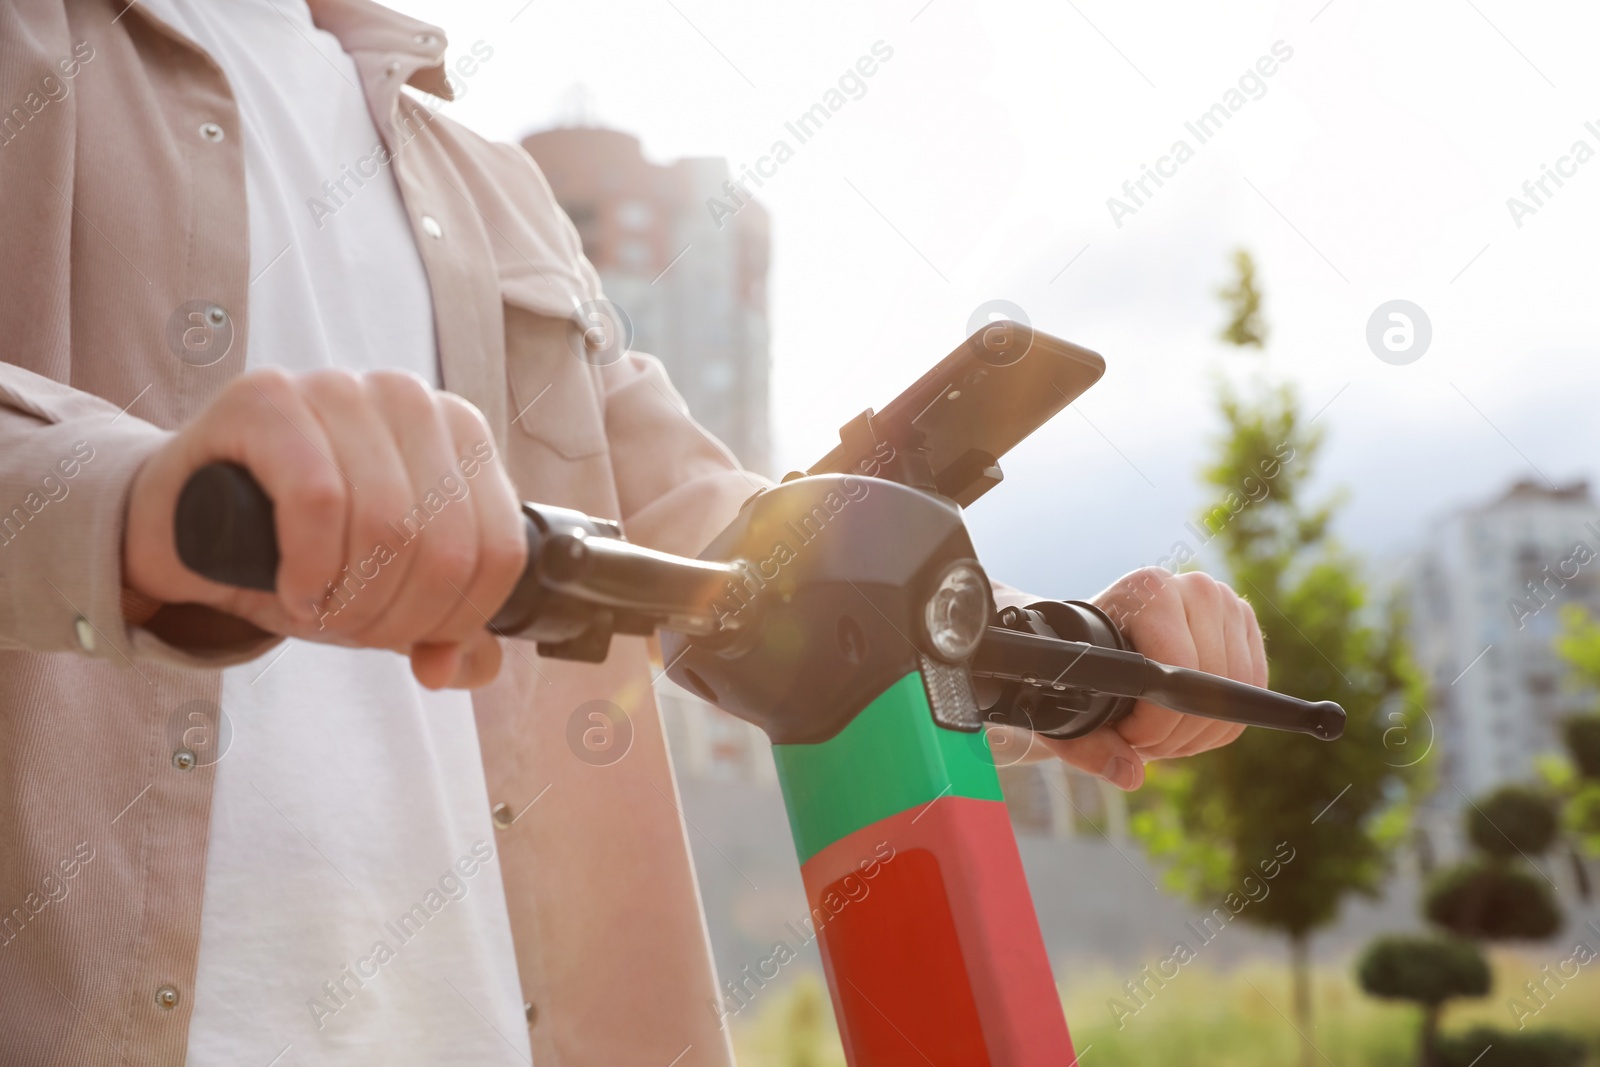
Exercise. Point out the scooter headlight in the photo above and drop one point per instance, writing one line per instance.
(957, 612)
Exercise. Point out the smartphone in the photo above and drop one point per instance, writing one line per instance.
(974, 406)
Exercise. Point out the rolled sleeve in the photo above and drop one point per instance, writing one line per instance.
(67, 463)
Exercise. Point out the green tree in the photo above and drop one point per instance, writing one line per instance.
(1245, 325)
(1582, 735)
(1342, 806)
(1578, 780)
(1498, 895)
(1427, 971)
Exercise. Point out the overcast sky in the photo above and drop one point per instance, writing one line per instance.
(1373, 164)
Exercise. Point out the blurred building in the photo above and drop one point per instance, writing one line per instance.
(1488, 597)
(709, 744)
(696, 291)
(1051, 799)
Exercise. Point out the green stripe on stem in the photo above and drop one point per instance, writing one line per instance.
(891, 757)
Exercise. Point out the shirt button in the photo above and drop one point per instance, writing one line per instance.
(431, 227)
(530, 1011)
(85, 631)
(502, 814)
(211, 132)
(183, 759)
(426, 40)
(391, 70)
(167, 997)
(216, 316)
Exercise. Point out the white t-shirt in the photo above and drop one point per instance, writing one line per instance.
(354, 913)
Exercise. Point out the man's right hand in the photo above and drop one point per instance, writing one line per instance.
(397, 526)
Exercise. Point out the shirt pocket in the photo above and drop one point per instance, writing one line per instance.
(556, 397)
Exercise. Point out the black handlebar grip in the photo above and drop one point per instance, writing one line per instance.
(224, 528)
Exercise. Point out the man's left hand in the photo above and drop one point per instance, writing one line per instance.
(1186, 620)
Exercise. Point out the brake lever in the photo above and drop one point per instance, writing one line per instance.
(1065, 688)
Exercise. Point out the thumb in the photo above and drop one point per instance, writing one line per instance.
(1104, 754)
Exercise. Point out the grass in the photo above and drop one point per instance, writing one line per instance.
(1206, 1018)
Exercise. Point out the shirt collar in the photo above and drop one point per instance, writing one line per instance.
(388, 44)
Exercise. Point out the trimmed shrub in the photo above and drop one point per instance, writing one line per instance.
(1509, 1048)
(1492, 902)
(1513, 821)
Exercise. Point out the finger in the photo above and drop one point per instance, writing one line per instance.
(1207, 603)
(1244, 655)
(438, 531)
(502, 547)
(1259, 674)
(1160, 631)
(373, 573)
(457, 665)
(480, 662)
(1214, 735)
(1206, 606)
(1253, 671)
(435, 664)
(1240, 667)
(1104, 754)
(285, 447)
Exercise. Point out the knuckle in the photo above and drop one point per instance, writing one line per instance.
(400, 386)
(317, 488)
(504, 554)
(1149, 576)
(375, 509)
(1247, 610)
(1147, 585)
(1202, 586)
(317, 493)
(452, 562)
(259, 389)
(463, 415)
(335, 384)
(405, 401)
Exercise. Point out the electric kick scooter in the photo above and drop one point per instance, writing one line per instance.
(845, 613)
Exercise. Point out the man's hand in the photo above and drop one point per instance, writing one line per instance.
(1186, 620)
(397, 526)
